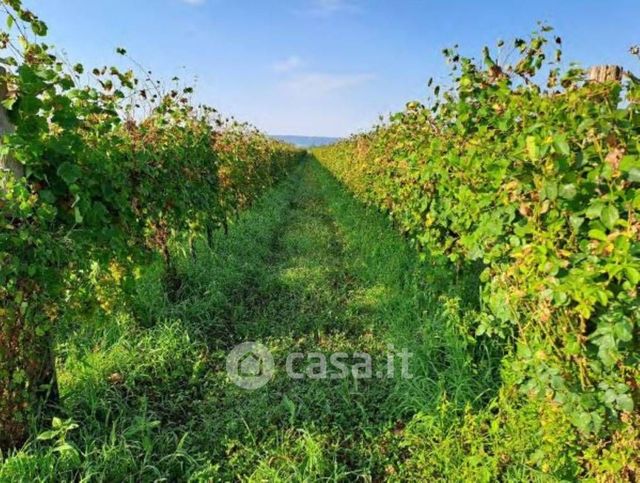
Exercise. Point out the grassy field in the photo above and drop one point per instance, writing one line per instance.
(146, 395)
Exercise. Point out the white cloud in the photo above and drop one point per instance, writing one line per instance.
(329, 7)
(288, 64)
(319, 83)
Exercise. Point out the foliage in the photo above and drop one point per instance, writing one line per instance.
(541, 184)
(125, 181)
(297, 272)
(114, 168)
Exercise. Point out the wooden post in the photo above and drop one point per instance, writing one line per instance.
(6, 162)
(605, 73)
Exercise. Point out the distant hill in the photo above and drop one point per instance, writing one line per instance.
(306, 141)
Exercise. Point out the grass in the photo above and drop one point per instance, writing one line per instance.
(146, 396)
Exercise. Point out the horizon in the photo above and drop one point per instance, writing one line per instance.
(321, 68)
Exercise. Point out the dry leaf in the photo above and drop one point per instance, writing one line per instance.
(615, 156)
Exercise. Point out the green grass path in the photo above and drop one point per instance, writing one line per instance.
(307, 269)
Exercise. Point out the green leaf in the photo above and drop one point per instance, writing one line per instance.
(629, 162)
(561, 145)
(69, 172)
(582, 420)
(48, 435)
(625, 402)
(550, 190)
(598, 235)
(66, 449)
(47, 196)
(607, 350)
(19, 377)
(608, 356)
(8, 102)
(632, 274)
(39, 28)
(576, 221)
(609, 216)
(606, 171)
(634, 175)
(594, 210)
(623, 330)
(568, 191)
(572, 346)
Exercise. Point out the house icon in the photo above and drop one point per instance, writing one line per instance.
(250, 365)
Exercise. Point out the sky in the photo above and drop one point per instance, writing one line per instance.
(322, 67)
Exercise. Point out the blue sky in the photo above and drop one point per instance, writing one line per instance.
(322, 67)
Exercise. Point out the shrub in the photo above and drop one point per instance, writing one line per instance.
(542, 185)
(113, 170)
